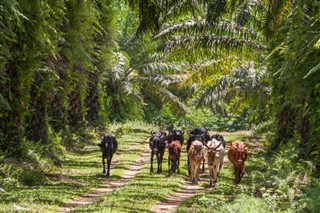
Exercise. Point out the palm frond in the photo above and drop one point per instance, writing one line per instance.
(214, 42)
(207, 71)
(175, 103)
(192, 27)
(4, 104)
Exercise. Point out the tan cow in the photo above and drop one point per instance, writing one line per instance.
(214, 154)
(195, 155)
(237, 154)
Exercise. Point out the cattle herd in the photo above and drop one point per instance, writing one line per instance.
(201, 149)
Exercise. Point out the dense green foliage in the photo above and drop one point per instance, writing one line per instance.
(67, 66)
(278, 183)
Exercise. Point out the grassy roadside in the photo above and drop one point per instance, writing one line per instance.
(226, 196)
(262, 189)
(143, 192)
(81, 171)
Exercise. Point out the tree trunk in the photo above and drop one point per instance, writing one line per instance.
(92, 99)
(12, 122)
(76, 116)
(38, 126)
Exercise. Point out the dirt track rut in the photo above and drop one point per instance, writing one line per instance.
(95, 195)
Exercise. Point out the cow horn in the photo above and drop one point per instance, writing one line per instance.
(206, 145)
(218, 146)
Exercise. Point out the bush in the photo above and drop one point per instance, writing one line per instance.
(202, 118)
(34, 177)
(286, 178)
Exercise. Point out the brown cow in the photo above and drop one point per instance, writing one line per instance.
(237, 154)
(174, 149)
(195, 155)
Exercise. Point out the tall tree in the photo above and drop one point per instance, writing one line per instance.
(293, 65)
(104, 45)
(26, 39)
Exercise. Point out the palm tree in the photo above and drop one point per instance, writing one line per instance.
(219, 45)
(139, 77)
(293, 39)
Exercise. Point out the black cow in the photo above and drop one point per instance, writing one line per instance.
(108, 147)
(219, 138)
(200, 134)
(157, 146)
(174, 135)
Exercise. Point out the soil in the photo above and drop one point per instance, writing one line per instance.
(187, 190)
(95, 195)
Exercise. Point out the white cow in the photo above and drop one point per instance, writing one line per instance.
(214, 156)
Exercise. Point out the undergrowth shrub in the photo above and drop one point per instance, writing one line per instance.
(265, 129)
(286, 179)
(311, 197)
(129, 127)
(33, 177)
(202, 118)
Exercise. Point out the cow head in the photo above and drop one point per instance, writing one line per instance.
(213, 150)
(172, 147)
(197, 148)
(241, 149)
(157, 140)
(177, 133)
(211, 155)
(219, 138)
(106, 145)
(197, 137)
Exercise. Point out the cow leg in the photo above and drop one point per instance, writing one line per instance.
(215, 174)
(189, 170)
(104, 165)
(151, 160)
(161, 159)
(242, 172)
(197, 173)
(191, 175)
(237, 174)
(210, 175)
(158, 163)
(109, 163)
(169, 168)
(178, 162)
(203, 169)
(174, 166)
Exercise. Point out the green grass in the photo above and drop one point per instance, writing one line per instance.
(226, 196)
(81, 172)
(141, 193)
(262, 189)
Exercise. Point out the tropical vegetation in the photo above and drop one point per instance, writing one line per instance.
(70, 69)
